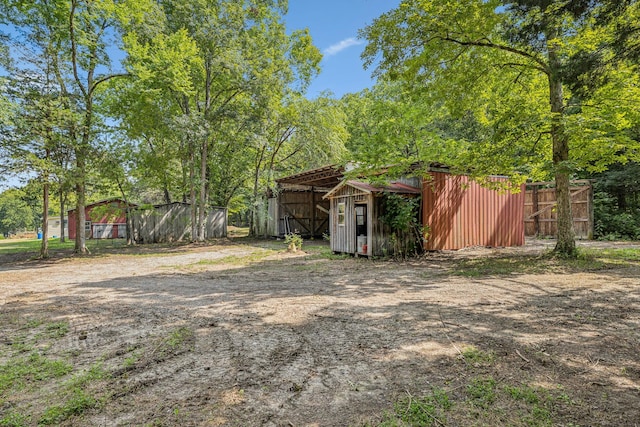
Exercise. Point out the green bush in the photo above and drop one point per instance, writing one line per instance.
(293, 241)
(611, 223)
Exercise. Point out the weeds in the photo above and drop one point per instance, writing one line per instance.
(293, 241)
(473, 355)
(14, 419)
(429, 410)
(482, 391)
(56, 329)
(483, 401)
(584, 260)
(20, 372)
(498, 266)
(78, 402)
(255, 256)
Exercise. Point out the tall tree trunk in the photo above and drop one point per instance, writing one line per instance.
(62, 219)
(81, 238)
(128, 219)
(192, 198)
(203, 191)
(254, 220)
(44, 248)
(565, 244)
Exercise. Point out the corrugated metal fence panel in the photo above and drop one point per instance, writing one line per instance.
(273, 221)
(461, 213)
(216, 223)
(172, 223)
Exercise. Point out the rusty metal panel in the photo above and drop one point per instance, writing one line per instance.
(461, 213)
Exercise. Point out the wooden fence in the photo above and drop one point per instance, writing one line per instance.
(172, 223)
(540, 217)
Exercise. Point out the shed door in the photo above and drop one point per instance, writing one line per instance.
(361, 228)
(102, 231)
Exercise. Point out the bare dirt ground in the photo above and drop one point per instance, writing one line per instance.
(267, 338)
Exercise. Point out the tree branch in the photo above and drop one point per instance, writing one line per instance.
(486, 43)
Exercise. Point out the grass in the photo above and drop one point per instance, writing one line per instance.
(78, 402)
(483, 400)
(482, 391)
(586, 260)
(20, 372)
(15, 419)
(256, 256)
(480, 400)
(32, 246)
(26, 371)
(473, 355)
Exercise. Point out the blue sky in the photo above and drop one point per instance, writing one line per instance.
(334, 26)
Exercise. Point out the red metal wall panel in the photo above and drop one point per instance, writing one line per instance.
(461, 213)
(116, 213)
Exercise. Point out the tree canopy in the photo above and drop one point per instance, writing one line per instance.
(505, 65)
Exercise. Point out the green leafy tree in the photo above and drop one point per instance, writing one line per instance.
(15, 213)
(300, 134)
(78, 34)
(506, 62)
(222, 65)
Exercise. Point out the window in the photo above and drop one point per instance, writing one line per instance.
(341, 213)
(87, 226)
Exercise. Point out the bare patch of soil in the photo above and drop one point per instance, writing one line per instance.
(201, 337)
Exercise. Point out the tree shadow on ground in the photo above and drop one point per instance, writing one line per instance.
(299, 336)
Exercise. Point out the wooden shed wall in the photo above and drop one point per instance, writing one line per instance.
(299, 208)
(172, 223)
(343, 237)
(540, 218)
(461, 213)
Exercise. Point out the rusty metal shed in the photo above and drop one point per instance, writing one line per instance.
(461, 213)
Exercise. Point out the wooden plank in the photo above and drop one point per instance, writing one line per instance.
(291, 215)
(322, 209)
(555, 203)
(536, 206)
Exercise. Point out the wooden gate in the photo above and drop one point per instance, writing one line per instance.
(540, 218)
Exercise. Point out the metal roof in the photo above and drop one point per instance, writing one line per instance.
(326, 176)
(391, 187)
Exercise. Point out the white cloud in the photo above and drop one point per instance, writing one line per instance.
(342, 45)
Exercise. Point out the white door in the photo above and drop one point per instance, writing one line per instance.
(102, 231)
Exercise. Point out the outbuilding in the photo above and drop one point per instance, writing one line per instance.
(355, 219)
(105, 219)
(458, 213)
(296, 205)
(455, 212)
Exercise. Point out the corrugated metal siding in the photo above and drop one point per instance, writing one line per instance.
(172, 223)
(273, 221)
(461, 213)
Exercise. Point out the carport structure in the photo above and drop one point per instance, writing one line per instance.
(296, 205)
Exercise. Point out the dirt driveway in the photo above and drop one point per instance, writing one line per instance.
(243, 335)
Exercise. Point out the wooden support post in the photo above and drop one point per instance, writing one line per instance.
(590, 224)
(536, 219)
(313, 213)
